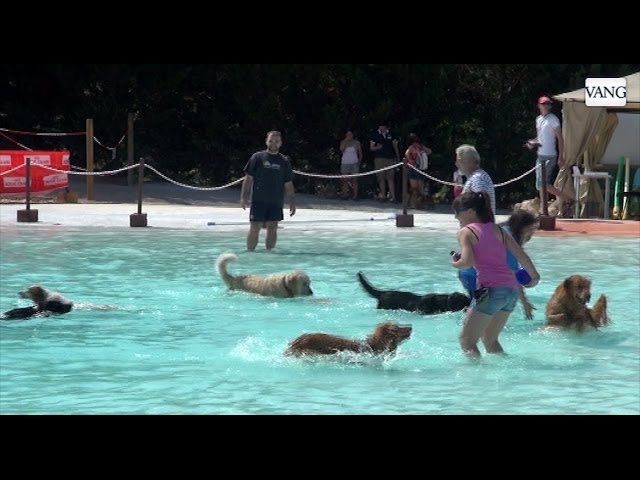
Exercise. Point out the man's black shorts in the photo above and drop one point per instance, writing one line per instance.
(265, 212)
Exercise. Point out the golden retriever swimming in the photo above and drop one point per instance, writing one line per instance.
(385, 338)
(279, 285)
(567, 307)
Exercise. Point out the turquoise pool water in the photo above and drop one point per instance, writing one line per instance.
(177, 342)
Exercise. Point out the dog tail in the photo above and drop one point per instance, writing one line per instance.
(221, 266)
(371, 290)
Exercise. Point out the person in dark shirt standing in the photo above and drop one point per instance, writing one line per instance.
(268, 174)
(385, 153)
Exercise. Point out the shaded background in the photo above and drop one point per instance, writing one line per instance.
(199, 123)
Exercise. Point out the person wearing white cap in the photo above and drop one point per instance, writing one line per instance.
(550, 146)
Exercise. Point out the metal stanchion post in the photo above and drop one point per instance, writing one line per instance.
(28, 215)
(139, 219)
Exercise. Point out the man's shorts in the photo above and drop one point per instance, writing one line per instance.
(498, 299)
(379, 163)
(550, 165)
(265, 212)
(349, 168)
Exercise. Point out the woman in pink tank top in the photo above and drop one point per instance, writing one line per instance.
(483, 245)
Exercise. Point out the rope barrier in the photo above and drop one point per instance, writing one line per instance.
(517, 178)
(424, 174)
(60, 134)
(202, 189)
(351, 175)
(113, 149)
(235, 182)
(457, 184)
(106, 172)
(16, 142)
(297, 172)
(12, 169)
(43, 134)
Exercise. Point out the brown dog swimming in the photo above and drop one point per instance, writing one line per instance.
(384, 339)
(567, 307)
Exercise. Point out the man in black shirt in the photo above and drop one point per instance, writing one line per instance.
(385, 152)
(268, 175)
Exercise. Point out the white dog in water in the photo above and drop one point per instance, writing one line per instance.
(280, 285)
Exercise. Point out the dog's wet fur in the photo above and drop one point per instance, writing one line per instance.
(428, 304)
(280, 285)
(567, 307)
(384, 339)
(45, 302)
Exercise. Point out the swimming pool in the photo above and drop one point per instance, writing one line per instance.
(178, 343)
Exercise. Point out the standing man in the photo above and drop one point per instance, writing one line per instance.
(268, 175)
(468, 162)
(385, 153)
(550, 145)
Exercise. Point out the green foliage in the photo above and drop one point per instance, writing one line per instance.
(201, 122)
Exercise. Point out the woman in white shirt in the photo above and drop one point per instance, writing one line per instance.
(350, 163)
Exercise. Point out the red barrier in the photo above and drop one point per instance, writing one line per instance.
(43, 180)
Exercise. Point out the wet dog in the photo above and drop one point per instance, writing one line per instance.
(45, 302)
(279, 285)
(428, 304)
(532, 206)
(567, 307)
(384, 339)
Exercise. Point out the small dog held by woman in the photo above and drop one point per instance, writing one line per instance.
(280, 285)
(384, 339)
(568, 309)
(45, 303)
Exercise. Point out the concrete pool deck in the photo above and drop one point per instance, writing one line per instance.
(171, 206)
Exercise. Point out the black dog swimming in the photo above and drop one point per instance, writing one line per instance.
(428, 304)
(19, 313)
(45, 303)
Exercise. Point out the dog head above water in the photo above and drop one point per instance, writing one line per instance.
(47, 300)
(567, 307)
(298, 284)
(295, 283)
(387, 336)
(579, 288)
(35, 293)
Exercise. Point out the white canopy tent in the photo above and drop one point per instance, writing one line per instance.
(587, 132)
(633, 94)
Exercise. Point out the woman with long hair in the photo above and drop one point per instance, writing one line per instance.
(484, 245)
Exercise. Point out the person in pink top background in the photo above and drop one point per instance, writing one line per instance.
(484, 245)
(416, 180)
